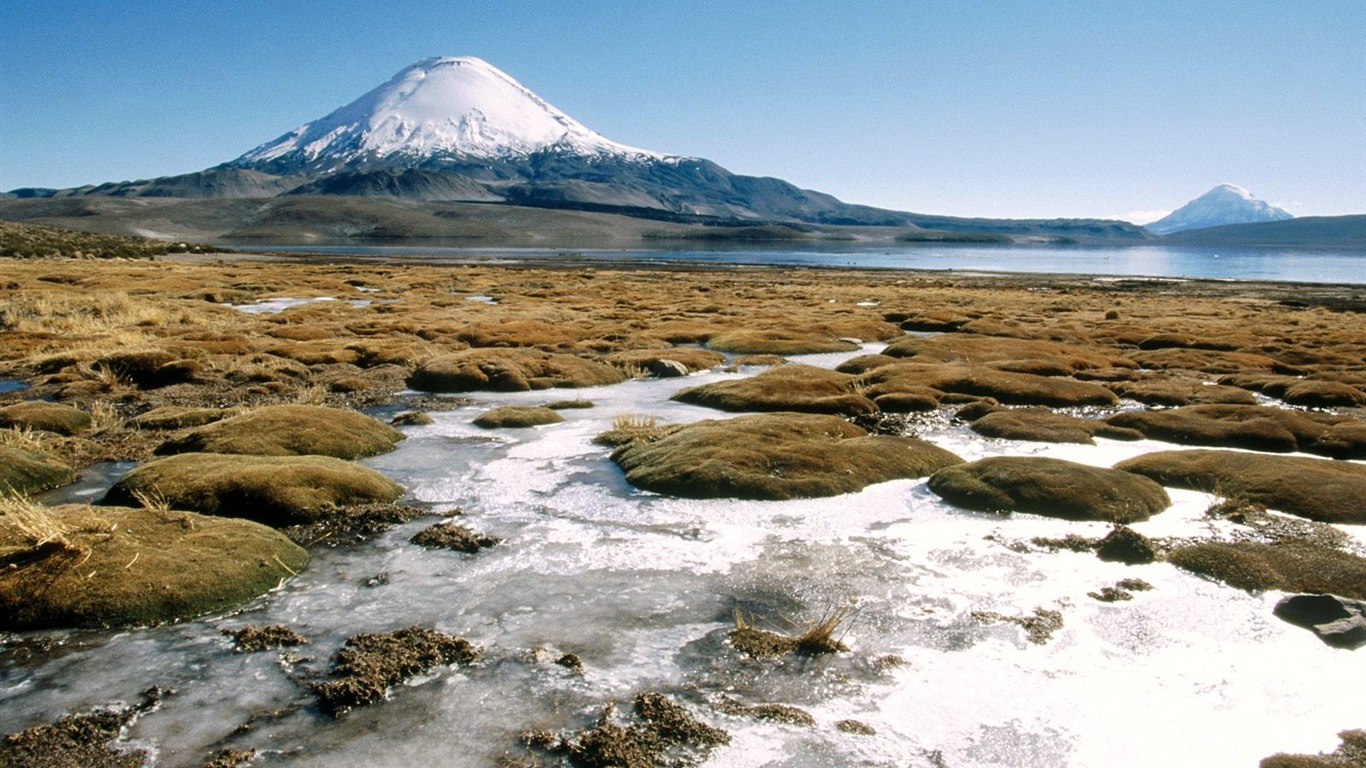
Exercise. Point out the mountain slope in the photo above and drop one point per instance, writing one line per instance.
(1225, 204)
(458, 130)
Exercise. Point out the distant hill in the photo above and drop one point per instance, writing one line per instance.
(1304, 232)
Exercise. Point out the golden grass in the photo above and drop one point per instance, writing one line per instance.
(31, 525)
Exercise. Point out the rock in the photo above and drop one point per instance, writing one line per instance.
(410, 419)
(117, 566)
(1289, 566)
(276, 491)
(510, 370)
(804, 388)
(1253, 427)
(667, 369)
(774, 456)
(24, 472)
(45, 417)
(1338, 621)
(291, 430)
(1317, 489)
(1050, 487)
(517, 417)
(667, 362)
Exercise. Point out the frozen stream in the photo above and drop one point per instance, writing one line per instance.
(642, 588)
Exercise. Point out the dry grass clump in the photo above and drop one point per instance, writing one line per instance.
(812, 639)
(630, 428)
(27, 525)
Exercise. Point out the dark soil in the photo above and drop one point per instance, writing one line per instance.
(348, 526)
(662, 733)
(252, 638)
(369, 664)
(449, 535)
(79, 741)
(1039, 628)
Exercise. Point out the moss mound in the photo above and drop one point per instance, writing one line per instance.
(1254, 427)
(1288, 566)
(774, 456)
(1050, 487)
(517, 417)
(1006, 353)
(1351, 753)
(25, 472)
(510, 370)
(691, 358)
(1047, 426)
(369, 664)
(1174, 392)
(117, 566)
(778, 342)
(45, 417)
(1009, 387)
(276, 491)
(291, 430)
(803, 388)
(1317, 489)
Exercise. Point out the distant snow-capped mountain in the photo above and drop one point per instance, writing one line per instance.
(1223, 205)
(445, 108)
(459, 130)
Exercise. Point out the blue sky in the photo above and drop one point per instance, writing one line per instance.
(1003, 109)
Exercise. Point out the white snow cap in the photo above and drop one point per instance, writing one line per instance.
(444, 106)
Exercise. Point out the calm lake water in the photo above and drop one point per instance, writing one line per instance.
(1295, 265)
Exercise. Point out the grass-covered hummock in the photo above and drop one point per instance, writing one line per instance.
(1252, 427)
(23, 471)
(517, 417)
(774, 456)
(804, 388)
(275, 490)
(291, 430)
(1051, 487)
(510, 370)
(1288, 566)
(118, 566)
(46, 417)
(1317, 489)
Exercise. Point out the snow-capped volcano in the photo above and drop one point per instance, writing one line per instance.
(456, 108)
(1225, 204)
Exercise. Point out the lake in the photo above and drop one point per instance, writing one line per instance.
(1277, 264)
